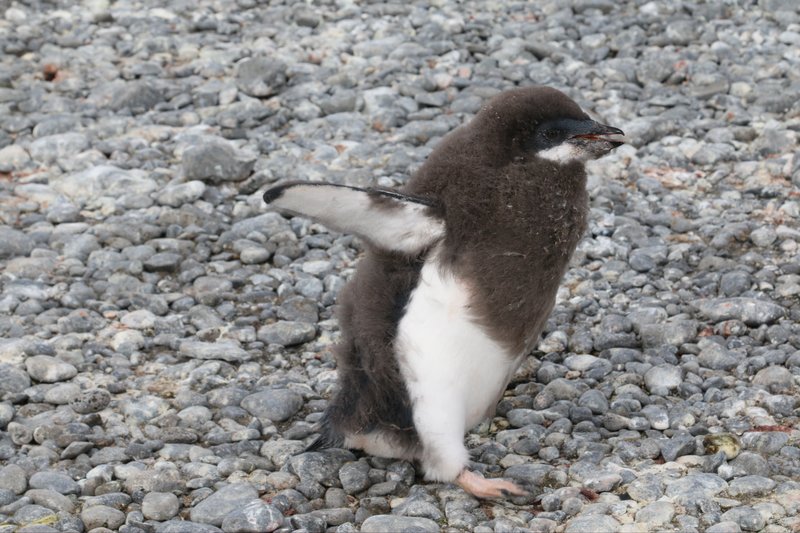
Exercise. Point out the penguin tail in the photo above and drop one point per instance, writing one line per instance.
(329, 437)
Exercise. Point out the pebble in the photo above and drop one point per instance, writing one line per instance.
(102, 516)
(48, 369)
(287, 333)
(226, 500)
(254, 517)
(216, 162)
(382, 523)
(275, 405)
(57, 481)
(13, 479)
(160, 506)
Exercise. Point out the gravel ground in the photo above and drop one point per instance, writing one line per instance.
(165, 342)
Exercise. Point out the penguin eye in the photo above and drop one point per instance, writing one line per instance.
(550, 134)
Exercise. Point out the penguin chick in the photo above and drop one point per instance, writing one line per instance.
(460, 275)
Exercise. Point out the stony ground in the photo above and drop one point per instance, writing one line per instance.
(165, 344)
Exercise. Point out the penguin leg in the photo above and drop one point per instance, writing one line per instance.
(389, 220)
(480, 487)
(444, 457)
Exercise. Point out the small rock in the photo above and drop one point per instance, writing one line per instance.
(102, 516)
(216, 162)
(91, 401)
(287, 333)
(354, 477)
(655, 514)
(160, 506)
(749, 310)
(255, 517)
(48, 369)
(592, 524)
(384, 523)
(276, 405)
(13, 478)
(663, 377)
(57, 481)
(749, 486)
(776, 379)
(748, 518)
(224, 350)
(14, 243)
(216, 507)
(260, 76)
(176, 195)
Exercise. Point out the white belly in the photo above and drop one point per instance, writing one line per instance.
(446, 358)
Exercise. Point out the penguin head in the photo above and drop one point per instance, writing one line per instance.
(545, 123)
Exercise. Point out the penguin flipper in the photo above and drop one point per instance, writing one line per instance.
(387, 219)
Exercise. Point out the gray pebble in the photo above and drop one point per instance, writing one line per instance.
(160, 506)
(776, 379)
(13, 479)
(287, 333)
(14, 243)
(91, 401)
(592, 524)
(216, 162)
(12, 379)
(276, 405)
(655, 514)
(217, 506)
(254, 517)
(102, 516)
(260, 76)
(224, 350)
(354, 477)
(57, 481)
(749, 310)
(383, 523)
(748, 518)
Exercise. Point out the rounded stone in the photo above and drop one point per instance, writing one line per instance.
(287, 333)
(218, 505)
(91, 401)
(384, 523)
(48, 369)
(663, 377)
(13, 478)
(255, 517)
(102, 516)
(57, 481)
(160, 506)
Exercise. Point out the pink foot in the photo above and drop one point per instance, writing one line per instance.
(480, 487)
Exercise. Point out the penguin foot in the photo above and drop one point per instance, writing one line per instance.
(480, 487)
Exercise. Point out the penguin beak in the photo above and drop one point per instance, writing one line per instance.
(590, 130)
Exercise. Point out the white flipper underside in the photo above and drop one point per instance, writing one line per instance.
(386, 219)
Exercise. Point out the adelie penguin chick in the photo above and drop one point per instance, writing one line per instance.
(459, 278)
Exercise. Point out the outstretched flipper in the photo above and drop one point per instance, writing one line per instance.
(386, 219)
